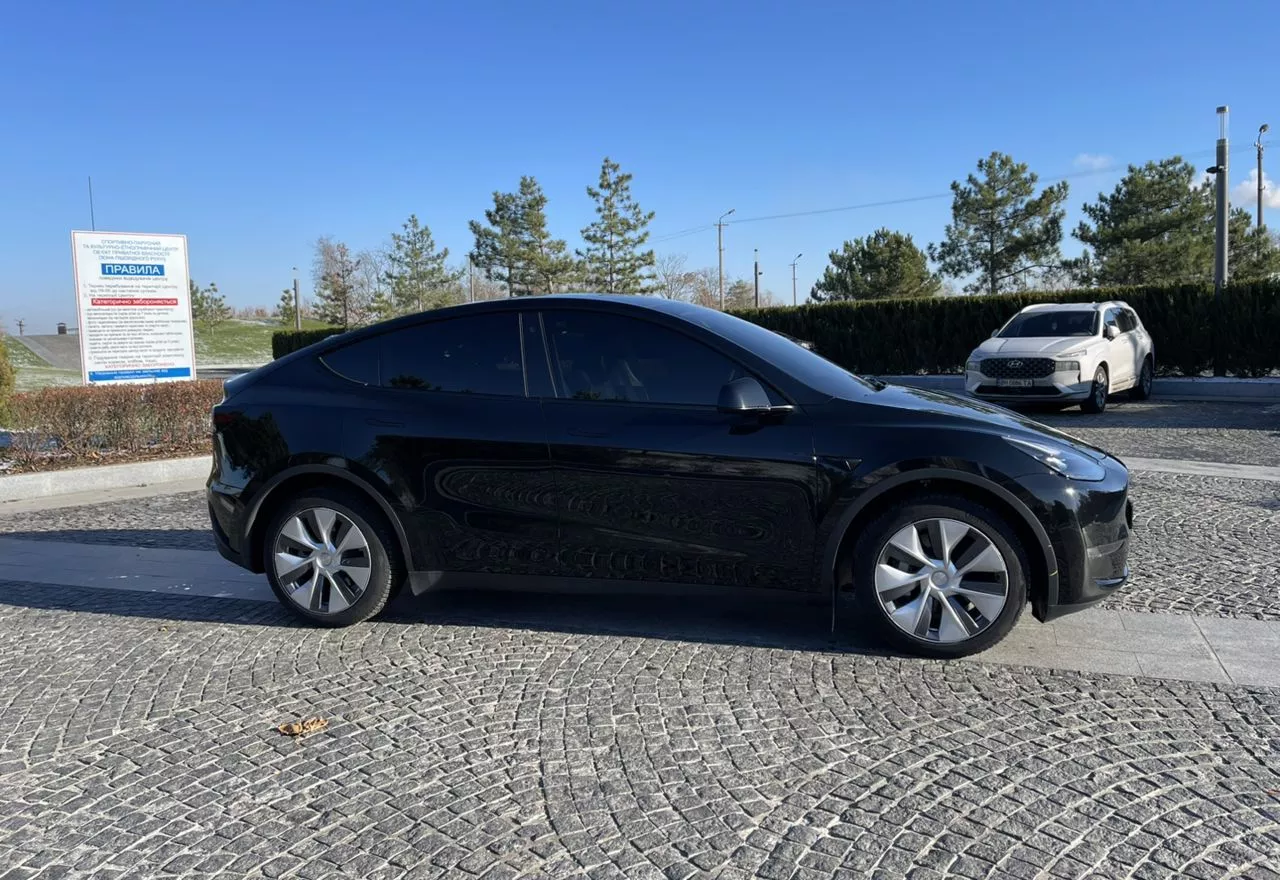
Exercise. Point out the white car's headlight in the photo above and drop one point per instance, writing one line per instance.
(1060, 459)
(1067, 366)
(974, 364)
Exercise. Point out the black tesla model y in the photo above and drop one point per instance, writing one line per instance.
(628, 442)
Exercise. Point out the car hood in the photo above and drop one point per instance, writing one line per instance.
(980, 414)
(1044, 346)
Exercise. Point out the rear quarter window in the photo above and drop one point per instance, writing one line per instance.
(358, 362)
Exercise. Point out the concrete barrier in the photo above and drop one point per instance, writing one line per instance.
(21, 487)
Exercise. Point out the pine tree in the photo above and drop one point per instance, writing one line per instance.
(1001, 231)
(208, 307)
(613, 261)
(417, 272)
(285, 310)
(551, 265)
(883, 264)
(337, 298)
(516, 248)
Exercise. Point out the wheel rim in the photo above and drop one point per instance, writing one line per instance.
(322, 560)
(1100, 388)
(941, 580)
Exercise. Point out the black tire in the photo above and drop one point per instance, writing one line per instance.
(1097, 399)
(386, 567)
(875, 537)
(1146, 378)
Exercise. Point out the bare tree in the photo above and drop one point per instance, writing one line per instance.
(338, 298)
(372, 290)
(706, 287)
(675, 281)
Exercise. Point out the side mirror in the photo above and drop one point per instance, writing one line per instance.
(1111, 331)
(995, 333)
(745, 395)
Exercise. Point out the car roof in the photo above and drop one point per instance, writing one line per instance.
(1074, 307)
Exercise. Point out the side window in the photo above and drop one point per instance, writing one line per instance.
(1111, 317)
(471, 355)
(1128, 321)
(357, 362)
(606, 357)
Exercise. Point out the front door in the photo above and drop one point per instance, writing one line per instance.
(655, 483)
(1120, 351)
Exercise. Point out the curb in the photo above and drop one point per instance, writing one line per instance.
(22, 487)
(1169, 388)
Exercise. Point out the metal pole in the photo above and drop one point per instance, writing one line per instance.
(1261, 131)
(93, 224)
(1220, 267)
(757, 276)
(21, 324)
(471, 279)
(794, 302)
(297, 302)
(720, 251)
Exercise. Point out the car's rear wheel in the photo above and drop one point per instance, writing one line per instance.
(1097, 400)
(1146, 378)
(331, 558)
(941, 576)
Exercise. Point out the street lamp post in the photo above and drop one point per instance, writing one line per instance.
(793, 279)
(297, 303)
(1262, 129)
(720, 248)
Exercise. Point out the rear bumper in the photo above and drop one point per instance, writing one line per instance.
(226, 518)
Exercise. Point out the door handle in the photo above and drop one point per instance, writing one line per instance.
(384, 423)
(583, 432)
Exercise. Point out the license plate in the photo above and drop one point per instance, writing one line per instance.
(1014, 383)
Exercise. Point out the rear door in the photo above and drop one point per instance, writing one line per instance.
(448, 426)
(655, 483)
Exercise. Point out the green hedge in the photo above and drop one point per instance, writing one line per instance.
(936, 334)
(285, 341)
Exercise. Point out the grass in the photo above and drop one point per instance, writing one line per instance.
(241, 341)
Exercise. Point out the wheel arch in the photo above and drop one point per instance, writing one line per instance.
(1043, 577)
(289, 483)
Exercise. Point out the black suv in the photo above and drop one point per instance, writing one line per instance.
(632, 441)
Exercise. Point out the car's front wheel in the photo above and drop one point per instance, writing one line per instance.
(942, 576)
(331, 558)
(1096, 402)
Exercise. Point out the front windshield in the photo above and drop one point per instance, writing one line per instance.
(783, 352)
(1028, 324)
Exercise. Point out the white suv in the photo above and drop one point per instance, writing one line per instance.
(1068, 352)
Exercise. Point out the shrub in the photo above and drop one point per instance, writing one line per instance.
(114, 420)
(935, 335)
(6, 383)
(284, 342)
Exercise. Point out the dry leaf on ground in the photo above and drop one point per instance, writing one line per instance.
(303, 727)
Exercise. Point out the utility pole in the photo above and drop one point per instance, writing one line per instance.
(793, 279)
(21, 324)
(297, 303)
(1262, 129)
(720, 248)
(1220, 268)
(757, 276)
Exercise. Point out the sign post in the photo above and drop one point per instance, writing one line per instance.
(133, 300)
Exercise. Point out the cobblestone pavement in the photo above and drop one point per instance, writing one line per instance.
(1203, 545)
(141, 744)
(1237, 433)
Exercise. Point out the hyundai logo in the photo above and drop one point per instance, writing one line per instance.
(1015, 364)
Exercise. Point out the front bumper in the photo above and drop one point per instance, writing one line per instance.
(1089, 526)
(1056, 386)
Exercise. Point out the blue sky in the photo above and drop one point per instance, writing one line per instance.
(254, 128)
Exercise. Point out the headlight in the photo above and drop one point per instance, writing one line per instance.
(974, 364)
(1064, 461)
(1067, 366)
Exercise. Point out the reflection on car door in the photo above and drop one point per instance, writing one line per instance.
(1120, 351)
(655, 483)
(450, 428)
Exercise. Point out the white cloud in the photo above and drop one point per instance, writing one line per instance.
(1092, 162)
(1245, 193)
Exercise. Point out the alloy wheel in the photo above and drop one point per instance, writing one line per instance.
(322, 560)
(1100, 389)
(941, 580)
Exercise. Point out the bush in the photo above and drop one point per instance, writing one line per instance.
(935, 335)
(285, 341)
(93, 422)
(6, 383)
